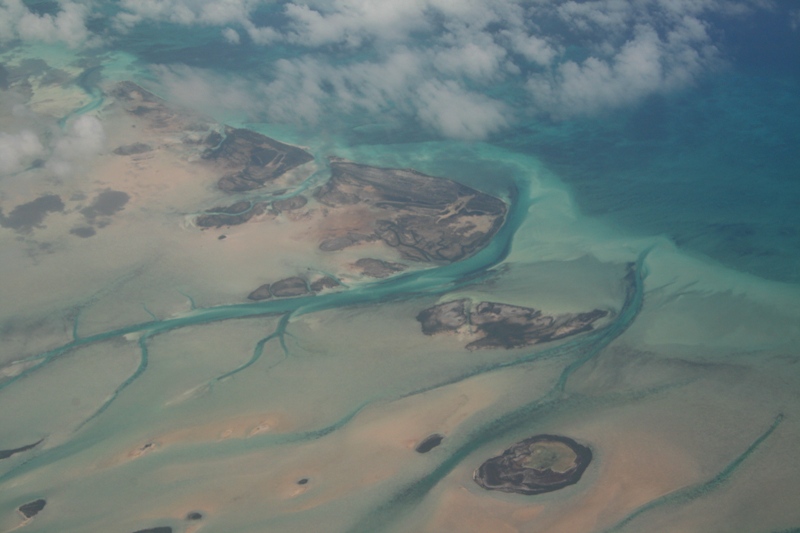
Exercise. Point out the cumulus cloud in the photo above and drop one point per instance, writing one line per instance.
(441, 61)
(84, 140)
(536, 50)
(18, 150)
(231, 35)
(213, 93)
(304, 91)
(457, 113)
(354, 21)
(482, 59)
(185, 12)
(646, 64)
(67, 26)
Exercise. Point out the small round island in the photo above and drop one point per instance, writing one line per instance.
(542, 463)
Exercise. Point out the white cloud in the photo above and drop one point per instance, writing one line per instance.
(535, 49)
(18, 150)
(185, 12)
(482, 59)
(352, 22)
(457, 113)
(305, 90)
(203, 89)
(231, 35)
(11, 11)
(84, 140)
(439, 61)
(648, 62)
(605, 15)
(67, 26)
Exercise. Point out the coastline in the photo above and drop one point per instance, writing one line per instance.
(696, 377)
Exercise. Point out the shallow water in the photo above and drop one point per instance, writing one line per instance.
(158, 390)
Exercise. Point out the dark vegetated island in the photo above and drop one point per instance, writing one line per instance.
(429, 443)
(5, 454)
(498, 325)
(375, 268)
(292, 287)
(242, 211)
(133, 149)
(31, 509)
(251, 159)
(231, 215)
(24, 217)
(536, 465)
(423, 217)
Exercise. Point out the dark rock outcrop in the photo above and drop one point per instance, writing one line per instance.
(539, 464)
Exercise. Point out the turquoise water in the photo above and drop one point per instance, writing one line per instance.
(157, 390)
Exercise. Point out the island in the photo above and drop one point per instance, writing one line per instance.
(536, 465)
(5, 454)
(424, 218)
(292, 287)
(499, 325)
(31, 509)
(250, 159)
(389, 219)
(429, 443)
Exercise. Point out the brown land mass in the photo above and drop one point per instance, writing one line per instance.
(498, 325)
(425, 218)
(250, 159)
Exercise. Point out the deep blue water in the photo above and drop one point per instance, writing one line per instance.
(715, 167)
